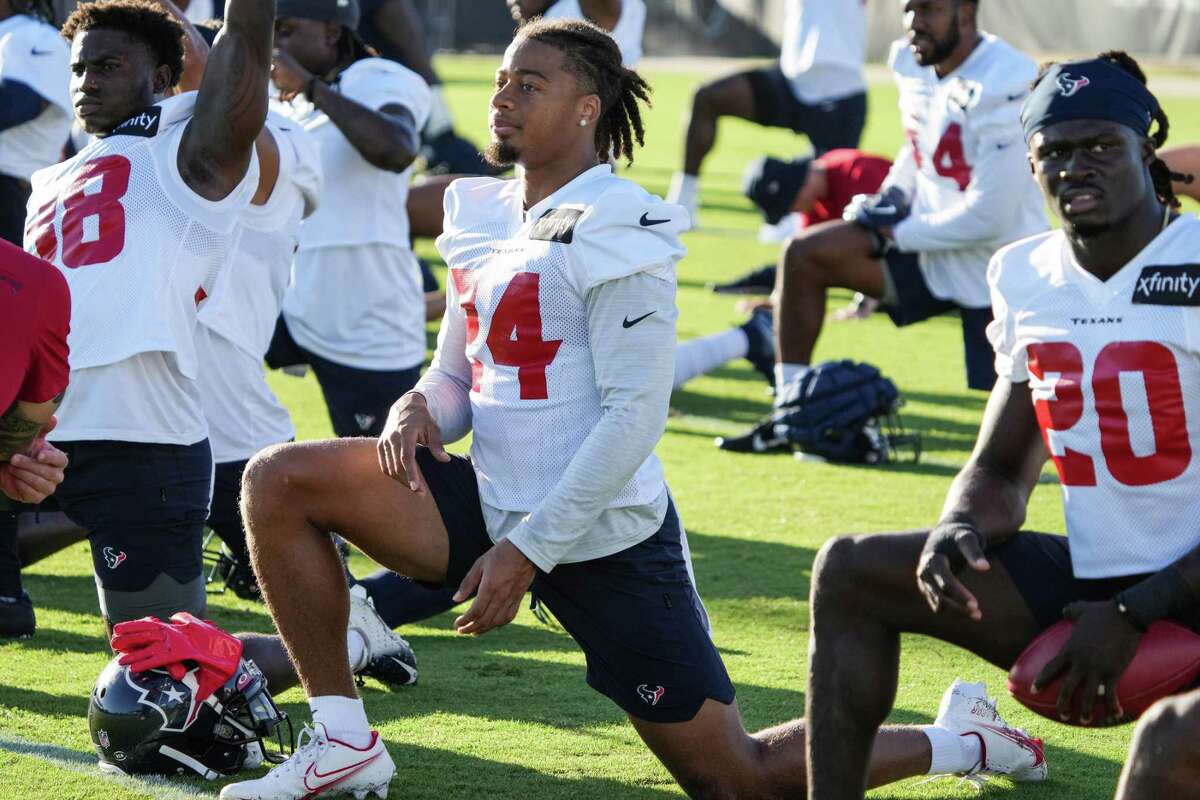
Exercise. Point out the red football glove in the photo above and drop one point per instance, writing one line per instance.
(150, 643)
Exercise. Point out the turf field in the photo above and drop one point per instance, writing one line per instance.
(508, 715)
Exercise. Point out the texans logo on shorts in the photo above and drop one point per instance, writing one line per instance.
(114, 559)
(365, 421)
(1068, 85)
(651, 696)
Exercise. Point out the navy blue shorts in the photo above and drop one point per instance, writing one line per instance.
(224, 514)
(917, 304)
(143, 505)
(1040, 566)
(635, 614)
(828, 125)
(358, 399)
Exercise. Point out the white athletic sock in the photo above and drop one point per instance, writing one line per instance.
(698, 356)
(356, 649)
(786, 375)
(343, 717)
(952, 752)
(685, 190)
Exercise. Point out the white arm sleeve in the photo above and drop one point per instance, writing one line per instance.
(634, 368)
(446, 385)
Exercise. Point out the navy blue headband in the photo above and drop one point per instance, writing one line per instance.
(1095, 89)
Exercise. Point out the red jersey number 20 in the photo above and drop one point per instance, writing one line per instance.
(93, 222)
(515, 334)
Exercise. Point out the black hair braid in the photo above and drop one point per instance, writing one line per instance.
(1160, 173)
(591, 55)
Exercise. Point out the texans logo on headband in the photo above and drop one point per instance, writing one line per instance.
(1069, 85)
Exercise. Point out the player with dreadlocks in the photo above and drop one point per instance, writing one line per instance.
(557, 351)
(1095, 336)
(35, 107)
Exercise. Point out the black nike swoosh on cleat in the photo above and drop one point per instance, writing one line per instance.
(629, 323)
(646, 222)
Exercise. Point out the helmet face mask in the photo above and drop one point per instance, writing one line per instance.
(150, 723)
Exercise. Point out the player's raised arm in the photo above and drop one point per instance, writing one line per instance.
(232, 103)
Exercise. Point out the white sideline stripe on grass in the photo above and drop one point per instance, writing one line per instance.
(85, 764)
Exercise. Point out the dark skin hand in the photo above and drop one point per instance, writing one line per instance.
(986, 503)
(387, 138)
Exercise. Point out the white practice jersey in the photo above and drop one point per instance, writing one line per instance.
(32, 53)
(356, 296)
(1114, 370)
(518, 285)
(627, 33)
(238, 317)
(823, 49)
(964, 167)
(135, 244)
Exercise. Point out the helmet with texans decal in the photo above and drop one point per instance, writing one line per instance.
(150, 723)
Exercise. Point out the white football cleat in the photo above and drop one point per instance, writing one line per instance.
(968, 711)
(389, 658)
(321, 765)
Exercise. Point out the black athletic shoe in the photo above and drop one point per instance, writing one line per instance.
(760, 330)
(17, 619)
(762, 439)
(760, 281)
(390, 658)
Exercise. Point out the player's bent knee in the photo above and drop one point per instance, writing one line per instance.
(1171, 723)
(837, 565)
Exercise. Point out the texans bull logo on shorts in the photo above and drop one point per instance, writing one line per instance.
(651, 694)
(113, 558)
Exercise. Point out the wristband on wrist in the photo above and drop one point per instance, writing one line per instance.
(310, 87)
(1162, 595)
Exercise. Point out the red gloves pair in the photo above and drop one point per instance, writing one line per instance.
(149, 643)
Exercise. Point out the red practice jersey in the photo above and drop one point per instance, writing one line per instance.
(35, 317)
(847, 173)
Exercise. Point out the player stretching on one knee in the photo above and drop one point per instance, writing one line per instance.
(961, 173)
(556, 351)
(1097, 348)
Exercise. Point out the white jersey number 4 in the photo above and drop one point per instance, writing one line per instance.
(515, 334)
(93, 222)
(1058, 402)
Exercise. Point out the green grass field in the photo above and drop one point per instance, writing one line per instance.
(508, 715)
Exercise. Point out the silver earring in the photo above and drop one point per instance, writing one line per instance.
(583, 123)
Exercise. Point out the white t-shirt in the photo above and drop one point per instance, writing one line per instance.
(135, 243)
(356, 296)
(237, 320)
(964, 168)
(627, 33)
(517, 327)
(823, 49)
(1114, 370)
(32, 53)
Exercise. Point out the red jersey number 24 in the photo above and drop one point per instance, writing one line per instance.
(93, 222)
(515, 334)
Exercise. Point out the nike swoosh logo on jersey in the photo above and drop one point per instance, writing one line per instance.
(337, 774)
(629, 323)
(36, 52)
(646, 222)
